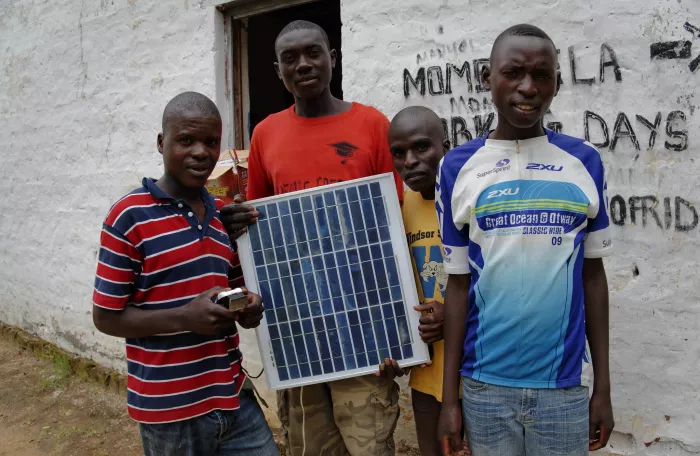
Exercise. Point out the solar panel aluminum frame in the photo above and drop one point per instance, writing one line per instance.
(405, 272)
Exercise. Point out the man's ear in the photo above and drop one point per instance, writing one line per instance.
(160, 143)
(446, 145)
(334, 58)
(486, 76)
(559, 83)
(277, 70)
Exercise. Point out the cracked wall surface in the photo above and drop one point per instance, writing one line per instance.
(83, 85)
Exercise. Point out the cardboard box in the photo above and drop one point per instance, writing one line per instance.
(230, 176)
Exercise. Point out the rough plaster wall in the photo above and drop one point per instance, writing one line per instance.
(655, 303)
(82, 89)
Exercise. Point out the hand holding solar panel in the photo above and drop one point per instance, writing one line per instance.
(333, 268)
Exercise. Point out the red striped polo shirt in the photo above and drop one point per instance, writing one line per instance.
(156, 254)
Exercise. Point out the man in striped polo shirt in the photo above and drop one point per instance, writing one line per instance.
(164, 255)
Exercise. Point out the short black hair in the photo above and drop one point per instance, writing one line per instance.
(522, 30)
(303, 25)
(426, 115)
(189, 101)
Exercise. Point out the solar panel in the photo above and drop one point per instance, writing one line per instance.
(333, 268)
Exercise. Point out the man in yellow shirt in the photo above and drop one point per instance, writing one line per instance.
(417, 143)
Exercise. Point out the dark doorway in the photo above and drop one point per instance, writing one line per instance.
(267, 93)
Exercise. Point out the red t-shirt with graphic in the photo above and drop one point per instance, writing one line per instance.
(289, 153)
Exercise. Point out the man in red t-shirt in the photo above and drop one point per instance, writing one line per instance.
(321, 140)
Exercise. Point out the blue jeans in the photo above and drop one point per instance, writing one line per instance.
(242, 432)
(503, 421)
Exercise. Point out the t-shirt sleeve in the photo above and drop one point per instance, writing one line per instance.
(259, 185)
(598, 242)
(385, 162)
(455, 237)
(118, 264)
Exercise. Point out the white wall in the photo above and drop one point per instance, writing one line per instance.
(655, 302)
(83, 85)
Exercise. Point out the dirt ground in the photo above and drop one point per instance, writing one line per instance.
(47, 410)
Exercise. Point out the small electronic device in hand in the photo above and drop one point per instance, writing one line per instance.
(234, 300)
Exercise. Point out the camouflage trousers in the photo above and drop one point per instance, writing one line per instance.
(355, 417)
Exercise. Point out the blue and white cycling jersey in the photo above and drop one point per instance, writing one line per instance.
(520, 217)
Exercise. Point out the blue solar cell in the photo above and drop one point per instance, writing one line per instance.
(277, 296)
(281, 253)
(259, 258)
(356, 332)
(341, 258)
(283, 207)
(263, 213)
(407, 351)
(327, 306)
(353, 318)
(281, 315)
(269, 256)
(345, 218)
(322, 220)
(350, 362)
(311, 230)
(306, 265)
(368, 273)
(358, 222)
(277, 236)
(380, 274)
(334, 342)
(375, 189)
(338, 364)
(329, 199)
(346, 282)
(305, 370)
(274, 332)
(372, 236)
(373, 297)
(396, 353)
(364, 254)
(330, 322)
(294, 372)
(373, 358)
(391, 271)
(364, 191)
(271, 315)
(311, 292)
(289, 354)
(272, 272)
(384, 295)
(284, 269)
(338, 243)
(361, 237)
(388, 311)
(396, 293)
(265, 235)
(288, 291)
(353, 257)
(299, 229)
(292, 253)
(326, 245)
(328, 367)
(353, 275)
(384, 353)
(380, 212)
(387, 250)
(338, 304)
(334, 283)
(362, 360)
(316, 368)
(342, 320)
(329, 260)
(370, 221)
(350, 302)
(404, 332)
(292, 312)
(307, 326)
(299, 288)
(304, 311)
(352, 194)
(295, 267)
(306, 203)
(315, 308)
(261, 273)
(333, 220)
(391, 332)
(288, 229)
(271, 210)
(361, 300)
(283, 374)
(255, 241)
(399, 309)
(266, 294)
(318, 201)
(384, 233)
(345, 340)
(368, 335)
(317, 262)
(300, 348)
(303, 249)
(379, 333)
(315, 247)
(295, 327)
(295, 206)
(340, 196)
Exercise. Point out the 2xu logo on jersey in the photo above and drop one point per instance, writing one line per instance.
(503, 192)
(542, 167)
